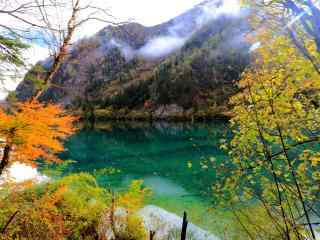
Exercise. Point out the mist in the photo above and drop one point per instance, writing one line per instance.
(177, 33)
(127, 51)
(217, 8)
(174, 40)
(162, 46)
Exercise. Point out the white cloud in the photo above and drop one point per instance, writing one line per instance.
(150, 12)
(164, 45)
(36, 53)
(229, 7)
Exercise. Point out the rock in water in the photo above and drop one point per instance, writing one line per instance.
(168, 225)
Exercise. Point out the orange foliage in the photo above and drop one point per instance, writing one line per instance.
(34, 130)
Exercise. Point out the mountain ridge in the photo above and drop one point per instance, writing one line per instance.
(189, 63)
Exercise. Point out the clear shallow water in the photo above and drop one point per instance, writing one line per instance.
(161, 154)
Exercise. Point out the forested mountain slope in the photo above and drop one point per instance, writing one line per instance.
(186, 66)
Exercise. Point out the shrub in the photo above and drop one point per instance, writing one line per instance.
(73, 207)
(69, 208)
(134, 229)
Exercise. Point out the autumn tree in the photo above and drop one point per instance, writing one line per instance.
(53, 24)
(33, 130)
(275, 131)
(274, 152)
(300, 20)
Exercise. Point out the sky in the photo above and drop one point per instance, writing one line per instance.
(148, 12)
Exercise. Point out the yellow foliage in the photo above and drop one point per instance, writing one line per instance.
(69, 208)
(134, 229)
(134, 198)
(276, 118)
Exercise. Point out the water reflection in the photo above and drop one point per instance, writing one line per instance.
(158, 153)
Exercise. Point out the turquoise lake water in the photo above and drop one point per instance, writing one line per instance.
(167, 156)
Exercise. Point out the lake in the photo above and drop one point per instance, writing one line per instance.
(167, 156)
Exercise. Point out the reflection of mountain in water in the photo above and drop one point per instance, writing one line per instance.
(158, 154)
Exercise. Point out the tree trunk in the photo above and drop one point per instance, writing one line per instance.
(5, 159)
(62, 52)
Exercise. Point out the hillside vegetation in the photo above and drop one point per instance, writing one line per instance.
(184, 68)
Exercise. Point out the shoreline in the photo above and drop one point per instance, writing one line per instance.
(103, 115)
(108, 124)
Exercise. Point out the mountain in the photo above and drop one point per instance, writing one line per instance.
(186, 67)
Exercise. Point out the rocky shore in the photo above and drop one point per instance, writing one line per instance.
(171, 112)
(167, 225)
